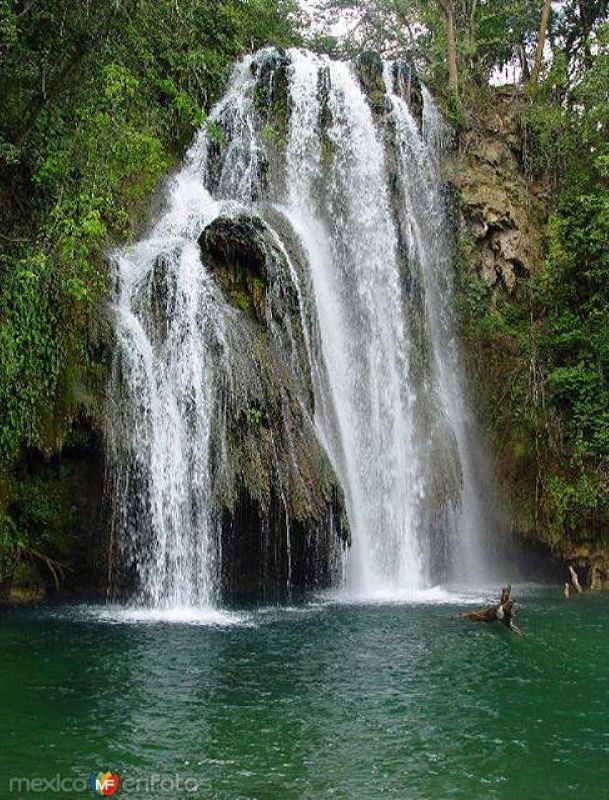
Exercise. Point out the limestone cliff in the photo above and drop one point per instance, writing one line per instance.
(275, 480)
(501, 214)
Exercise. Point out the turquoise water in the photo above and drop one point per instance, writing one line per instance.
(318, 700)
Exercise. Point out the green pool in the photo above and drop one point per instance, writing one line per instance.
(321, 699)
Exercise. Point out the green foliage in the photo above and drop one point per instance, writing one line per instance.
(489, 34)
(39, 515)
(574, 506)
(455, 112)
(254, 416)
(575, 281)
(498, 29)
(97, 101)
(9, 543)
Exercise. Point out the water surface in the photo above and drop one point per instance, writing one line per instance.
(323, 699)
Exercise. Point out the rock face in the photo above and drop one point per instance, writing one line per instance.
(502, 212)
(238, 250)
(369, 69)
(500, 218)
(592, 565)
(283, 508)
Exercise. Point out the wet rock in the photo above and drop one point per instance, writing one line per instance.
(231, 242)
(406, 82)
(369, 69)
(282, 503)
(239, 249)
(273, 106)
(162, 296)
(269, 61)
(271, 101)
(591, 562)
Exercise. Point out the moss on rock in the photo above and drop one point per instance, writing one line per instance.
(268, 455)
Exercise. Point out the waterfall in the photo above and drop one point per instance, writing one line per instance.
(423, 213)
(170, 345)
(349, 202)
(350, 237)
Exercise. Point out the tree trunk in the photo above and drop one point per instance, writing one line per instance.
(524, 63)
(541, 42)
(448, 9)
(586, 25)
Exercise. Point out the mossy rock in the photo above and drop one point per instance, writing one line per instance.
(369, 69)
(269, 62)
(271, 466)
(409, 83)
(378, 101)
(405, 81)
(272, 97)
(325, 115)
(162, 296)
(237, 251)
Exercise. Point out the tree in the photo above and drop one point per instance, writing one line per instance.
(541, 42)
(448, 9)
(577, 28)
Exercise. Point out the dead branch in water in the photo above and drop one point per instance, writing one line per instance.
(503, 611)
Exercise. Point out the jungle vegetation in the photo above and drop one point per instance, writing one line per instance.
(99, 100)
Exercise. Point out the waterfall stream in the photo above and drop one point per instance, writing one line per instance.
(351, 241)
(354, 188)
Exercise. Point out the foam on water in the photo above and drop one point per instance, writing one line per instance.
(432, 595)
(172, 615)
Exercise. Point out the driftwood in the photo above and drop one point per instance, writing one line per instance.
(503, 611)
(575, 580)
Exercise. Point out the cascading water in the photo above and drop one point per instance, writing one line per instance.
(170, 349)
(423, 214)
(341, 210)
(321, 187)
